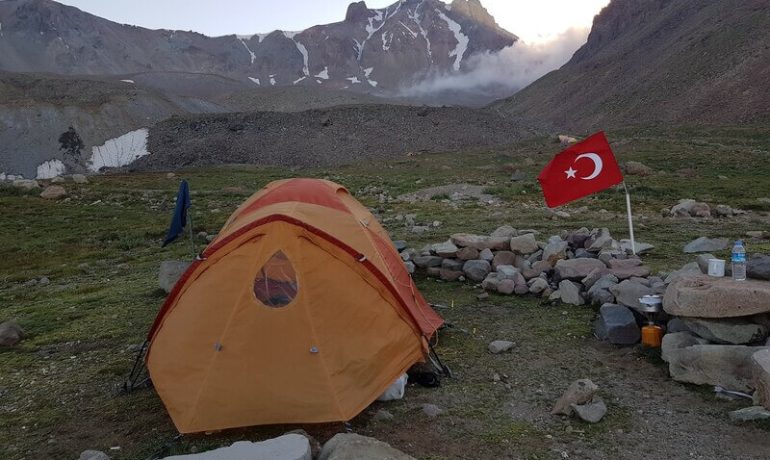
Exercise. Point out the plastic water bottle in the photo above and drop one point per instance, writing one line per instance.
(739, 261)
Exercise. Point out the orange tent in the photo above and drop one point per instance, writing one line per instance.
(300, 311)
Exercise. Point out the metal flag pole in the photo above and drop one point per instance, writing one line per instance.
(630, 220)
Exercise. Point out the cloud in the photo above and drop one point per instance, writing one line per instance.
(500, 74)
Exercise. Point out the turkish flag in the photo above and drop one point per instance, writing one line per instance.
(584, 168)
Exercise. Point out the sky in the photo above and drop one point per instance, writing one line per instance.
(534, 21)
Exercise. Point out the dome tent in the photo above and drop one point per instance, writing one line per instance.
(300, 311)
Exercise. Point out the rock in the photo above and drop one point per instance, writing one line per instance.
(524, 244)
(350, 446)
(286, 447)
(433, 272)
(452, 264)
(170, 272)
(555, 250)
(635, 168)
(420, 229)
(446, 249)
(315, 446)
(578, 238)
(400, 245)
(468, 254)
(500, 346)
(617, 324)
(482, 296)
(577, 269)
(44, 281)
(691, 208)
(26, 184)
(450, 275)
(760, 370)
(749, 414)
(628, 268)
(756, 234)
(728, 366)
(629, 292)
(675, 340)
(506, 272)
(641, 248)
(382, 415)
(57, 180)
(487, 254)
(591, 412)
(704, 244)
(427, 261)
(723, 211)
(476, 270)
(727, 330)
(601, 239)
(506, 231)
(676, 325)
(570, 293)
(431, 410)
(537, 285)
(599, 294)
(11, 334)
(703, 262)
(490, 282)
(708, 297)
(410, 267)
(480, 242)
(53, 192)
(93, 455)
(758, 267)
(594, 276)
(690, 269)
(503, 258)
(521, 289)
(79, 179)
(579, 392)
(506, 286)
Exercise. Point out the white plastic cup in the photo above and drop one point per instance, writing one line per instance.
(716, 268)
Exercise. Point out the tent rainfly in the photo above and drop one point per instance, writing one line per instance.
(300, 311)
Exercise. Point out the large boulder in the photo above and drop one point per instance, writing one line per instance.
(688, 269)
(286, 447)
(708, 297)
(10, 334)
(53, 192)
(555, 250)
(727, 330)
(570, 293)
(577, 269)
(676, 340)
(628, 268)
(26, 184)
(728, 366)
(599, 293)
(350, 446)
(446, 249)
(760, 364)
(427, 261)
(617, 325)
(170, 272)
(504, 258)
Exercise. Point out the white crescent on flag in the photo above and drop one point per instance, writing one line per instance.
(598, 164)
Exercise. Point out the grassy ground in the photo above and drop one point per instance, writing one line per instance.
(100, 248)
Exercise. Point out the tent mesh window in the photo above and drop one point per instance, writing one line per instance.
(276, 282)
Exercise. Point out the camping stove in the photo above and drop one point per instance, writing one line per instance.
(652, 334)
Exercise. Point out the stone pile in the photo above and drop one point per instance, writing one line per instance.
(577, 268)
(720, 334)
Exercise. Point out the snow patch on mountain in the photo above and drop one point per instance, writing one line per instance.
(298, 80)
(128, 81)
(272, 80)
(414, 34)
(324, 74)
(462, 39)
(386, 40)
(415, 16)
(353, 79)
(251, 53)
(255, 80)
(120, 151)
(302, 50)
(50, 169)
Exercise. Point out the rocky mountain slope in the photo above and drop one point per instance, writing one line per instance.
(659, 62)
(371, 50)
(322, 137)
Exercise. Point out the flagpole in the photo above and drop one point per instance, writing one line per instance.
(630, 220)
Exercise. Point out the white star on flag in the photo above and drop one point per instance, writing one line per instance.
(570, 173)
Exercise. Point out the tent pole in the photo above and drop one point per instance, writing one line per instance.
(190, 222)
(630, 220)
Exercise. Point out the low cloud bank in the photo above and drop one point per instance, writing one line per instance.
(507, 71)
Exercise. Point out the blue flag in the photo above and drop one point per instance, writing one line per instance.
(179, 220)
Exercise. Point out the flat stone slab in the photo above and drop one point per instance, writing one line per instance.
(349, 446)
(733, 331)
(749, 414)
(286, 447)
(703, 296)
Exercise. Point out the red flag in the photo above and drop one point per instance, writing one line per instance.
(584, 168)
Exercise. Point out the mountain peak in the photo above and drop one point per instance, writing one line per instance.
(473, 9)
(357, 11)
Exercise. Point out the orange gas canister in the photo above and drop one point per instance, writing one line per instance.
(652, 336)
